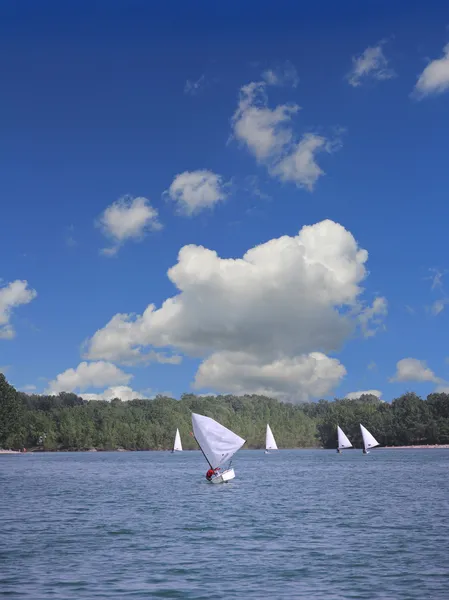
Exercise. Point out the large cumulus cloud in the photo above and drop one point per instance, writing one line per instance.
(264, 322)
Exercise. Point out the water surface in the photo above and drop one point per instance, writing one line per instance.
(294, 524)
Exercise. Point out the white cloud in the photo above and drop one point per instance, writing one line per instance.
(442, 389)
(123, 392)
(356, 395)
(264, 131)
(436, 278)
(192, 88)
(412, 369)
(295, 378)
(372, 366)
(86, 375)
(127, 218)
(29, 388)
(283, 75)
(12, 295)
(117, 343)
(372, 317)
(438, 306)
(300, 165)
(268, 135)
(372, 63)
(283, 301)
(435, 77)
(194, 191)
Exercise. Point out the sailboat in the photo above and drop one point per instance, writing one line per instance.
(343, 441)
(369, 441)
(177, 446)
(270, 442)
(218, 444)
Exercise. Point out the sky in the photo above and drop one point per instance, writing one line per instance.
(224, 198)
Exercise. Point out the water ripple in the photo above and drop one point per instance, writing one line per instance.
(295, 524)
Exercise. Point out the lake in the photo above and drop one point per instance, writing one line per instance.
(293, 524)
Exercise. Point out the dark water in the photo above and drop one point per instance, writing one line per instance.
(294, 524)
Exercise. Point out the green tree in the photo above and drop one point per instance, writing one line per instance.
(11, 411)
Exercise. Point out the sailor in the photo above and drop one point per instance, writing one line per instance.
(209, 474)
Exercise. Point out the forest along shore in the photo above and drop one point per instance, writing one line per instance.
(62, 450)
(67, 422)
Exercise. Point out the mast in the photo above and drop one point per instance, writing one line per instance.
(202, 451)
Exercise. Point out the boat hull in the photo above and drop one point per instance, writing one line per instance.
(223, 477)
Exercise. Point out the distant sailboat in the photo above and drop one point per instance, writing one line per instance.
(369, 441)
(343, 441)
(177, 446)
(218, 444)
(270, 442)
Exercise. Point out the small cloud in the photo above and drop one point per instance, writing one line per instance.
(123, 392)
(269, 136)
(111, 251)
(29, 388)
(279, 76)
(86, 375)
(438, 306)
(356, 395)
(435, 77)
(371, 64)
(192, 88)
(195, 191)
(372, 366)
(371, 318)
(436, 278)
(127, 219)
(13, 295)
(412, 369)
(410, 310)
(4, 369)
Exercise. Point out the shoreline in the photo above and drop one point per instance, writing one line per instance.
(62, 450)
(418, 447)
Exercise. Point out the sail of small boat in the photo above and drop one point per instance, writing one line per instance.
(217, 443)
(369, 441)
(343, 441)
(177, 446)
(270, 442)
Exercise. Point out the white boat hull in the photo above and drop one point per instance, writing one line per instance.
(223, 477)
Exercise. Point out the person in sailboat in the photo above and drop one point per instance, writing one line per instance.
(211, 472)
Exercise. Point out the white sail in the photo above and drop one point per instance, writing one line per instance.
(343, 441)
(218, 443)
(369, 441)
(177, 445)
(270, 442)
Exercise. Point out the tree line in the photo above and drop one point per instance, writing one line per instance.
(67, 422)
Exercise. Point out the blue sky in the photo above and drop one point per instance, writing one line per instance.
(97, 106)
